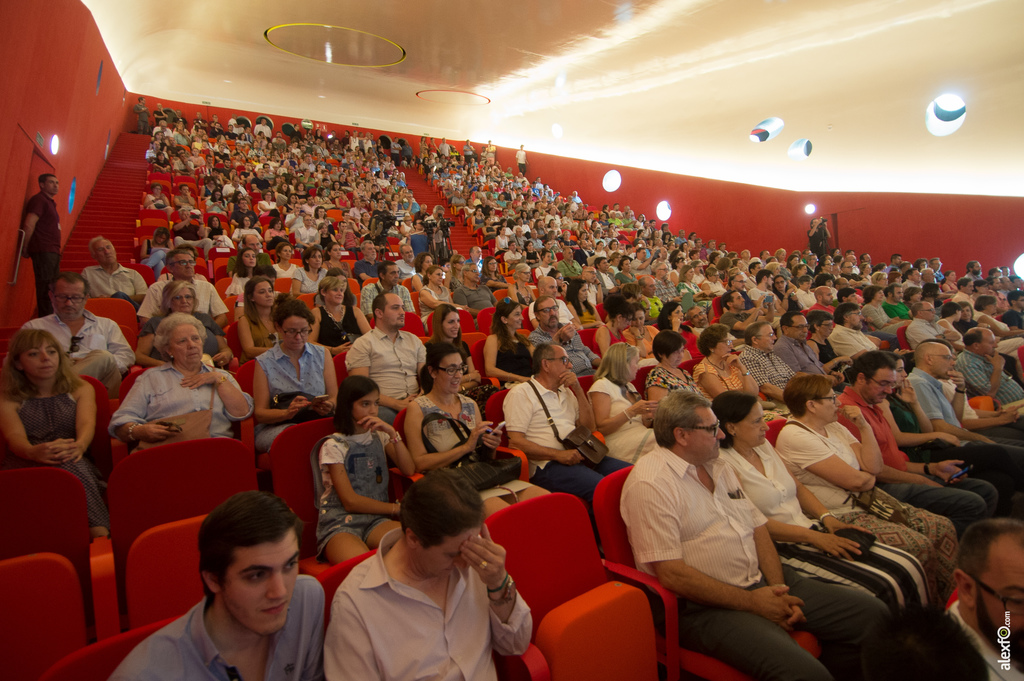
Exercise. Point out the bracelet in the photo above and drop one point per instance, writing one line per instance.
(501, 586)
(131, 429)
(962, 392)
(826, 514)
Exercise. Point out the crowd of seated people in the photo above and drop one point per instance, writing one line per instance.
(640, 313)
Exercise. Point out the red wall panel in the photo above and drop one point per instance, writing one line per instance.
(49, 62)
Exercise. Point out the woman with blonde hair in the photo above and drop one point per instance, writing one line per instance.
(49, 416)
(180, 296)
(622, 416)
(339, 321)
(434, 293)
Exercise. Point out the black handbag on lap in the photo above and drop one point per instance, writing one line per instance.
(479, 468)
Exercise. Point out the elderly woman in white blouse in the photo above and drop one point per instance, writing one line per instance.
(180, 386)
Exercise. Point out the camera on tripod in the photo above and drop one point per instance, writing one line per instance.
(381, 223)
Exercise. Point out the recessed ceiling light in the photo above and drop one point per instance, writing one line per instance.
(612, 181)
(800, 150)
(227, 81)
(767, 129)
(945, 114)
(810, 208)
(322, 96)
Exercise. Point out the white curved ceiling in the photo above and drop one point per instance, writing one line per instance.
(674, 85)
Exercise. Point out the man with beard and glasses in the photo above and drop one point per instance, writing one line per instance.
(990, 582)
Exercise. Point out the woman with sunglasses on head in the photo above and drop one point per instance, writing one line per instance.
(339, 320)
(301, 371)
(441, 378)
(721, 369)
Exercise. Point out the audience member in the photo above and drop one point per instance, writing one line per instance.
(352, 485)
(384, 619)
(807, 535)
(923, 324)
(162, 405)
(988, 566)
(508, 353)
(181, 264)
(255, 328)
(49, 417)
(95, 345)
(110, 279)
(620, 413)
(258, 618)
(837, 467)
(338, 321)
(847, 337)
(294, 381)
(444, 428)
(547, 286)
(983, 368)
(390, 356)
(553, 465)
(180, 297)
(581, 358)
(758, 357)
(720, 369)
(387, 282)
(42, 240)
(307, 278)
(472, 295)
(691, 527)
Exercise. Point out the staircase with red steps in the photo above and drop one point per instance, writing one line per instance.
(113, 204)
(428, 197)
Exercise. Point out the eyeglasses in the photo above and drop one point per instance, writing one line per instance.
(75, 343)
(186, 263)
(296, 332)
(61, 298)
(713, 428)
(564, 359)
(886, 385)
(455, 369)
(186, 297)
(1011, 604)
(546, 309)
(827, 398)
(800, 327)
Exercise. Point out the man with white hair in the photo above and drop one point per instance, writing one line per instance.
(109, 278)
(547, 286)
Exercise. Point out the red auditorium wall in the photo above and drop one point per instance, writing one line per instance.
(955, 228)
(50, 60)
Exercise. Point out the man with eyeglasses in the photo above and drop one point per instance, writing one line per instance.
(924, 325)
(758, 356)
(548, 286)
(549, 330)
(692, 526)
(182, 266)
(990, 588)
(552, 465)
(471, 295)
(792, 348)
(924, 485)
(95, 345)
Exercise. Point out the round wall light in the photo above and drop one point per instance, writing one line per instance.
(556, 130)
(1018, 266)
(810, 208)
(54, 144)
(612, 181)
(767, 129)
(663, 211)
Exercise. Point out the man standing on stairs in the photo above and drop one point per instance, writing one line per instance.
(42, 239)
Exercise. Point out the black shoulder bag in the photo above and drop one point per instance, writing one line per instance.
(479, 468)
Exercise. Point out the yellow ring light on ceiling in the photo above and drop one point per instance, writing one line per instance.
(327, 55)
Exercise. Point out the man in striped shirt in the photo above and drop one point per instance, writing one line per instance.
(691, 526)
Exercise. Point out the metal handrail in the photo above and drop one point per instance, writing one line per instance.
(17, 257)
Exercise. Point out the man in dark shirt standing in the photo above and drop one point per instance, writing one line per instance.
(42, 239)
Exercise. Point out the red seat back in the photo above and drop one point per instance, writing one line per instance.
(42, 618)
(550, 549)
(476, 351)
(641, 379)
(162, 574)
(589, 338)
(774, 428)
(293, 474)
(172, 482)
(331, 578)
(340, 370)
(98, 661)
(610, 525)
(120, 311)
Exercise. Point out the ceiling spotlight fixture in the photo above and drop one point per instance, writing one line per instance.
(612, 181)
(810, 208)
(800, 150)
(766, 129)
(945, 114)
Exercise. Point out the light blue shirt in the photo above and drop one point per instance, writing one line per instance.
(184, 650)
(158, 394)
(933, 401)
(281, 377)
